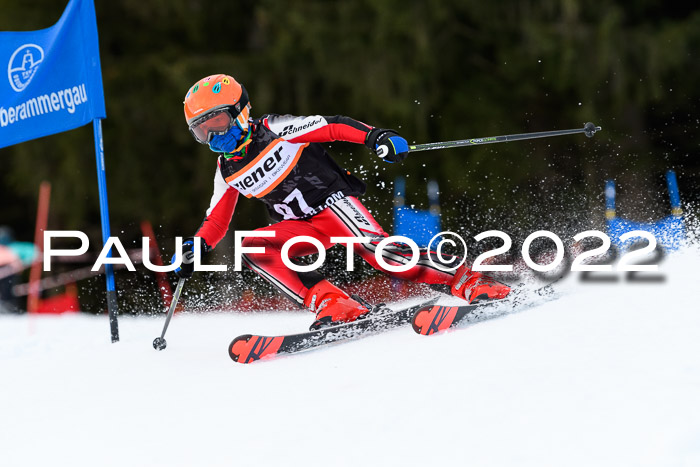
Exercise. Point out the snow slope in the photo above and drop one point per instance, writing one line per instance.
(608, 374)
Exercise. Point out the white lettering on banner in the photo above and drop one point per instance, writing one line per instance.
(267, 171)
(66, 99)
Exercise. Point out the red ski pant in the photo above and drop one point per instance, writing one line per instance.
(346, 218)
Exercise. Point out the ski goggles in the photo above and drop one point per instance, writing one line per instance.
(217, 122)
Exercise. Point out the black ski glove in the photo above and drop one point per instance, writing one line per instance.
(186, 268)
(387, 144)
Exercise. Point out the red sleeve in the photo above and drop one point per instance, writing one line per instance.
(221, 207)
(318, 129)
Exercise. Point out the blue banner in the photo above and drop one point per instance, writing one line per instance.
(53, 81)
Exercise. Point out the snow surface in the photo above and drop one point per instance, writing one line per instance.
(607, 374)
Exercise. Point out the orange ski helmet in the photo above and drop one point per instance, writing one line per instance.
(214, 104)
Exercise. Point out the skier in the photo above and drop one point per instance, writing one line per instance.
(278, 159)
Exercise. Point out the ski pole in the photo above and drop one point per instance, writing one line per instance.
(159, 342)
(589, 129)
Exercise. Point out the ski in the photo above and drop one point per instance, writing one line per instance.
(248, 348)
(432, 319)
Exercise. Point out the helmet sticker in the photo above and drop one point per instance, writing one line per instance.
(195, 88)
(216, 88)
(226, 81)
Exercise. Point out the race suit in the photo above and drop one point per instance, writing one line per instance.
(306, 191)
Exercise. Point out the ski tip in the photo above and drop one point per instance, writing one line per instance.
(431, 319)
(238, 347)
(248, 348)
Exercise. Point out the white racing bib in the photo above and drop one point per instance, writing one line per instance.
(267, 170)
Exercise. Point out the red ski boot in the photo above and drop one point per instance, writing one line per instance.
(332, 305)
(474, 286)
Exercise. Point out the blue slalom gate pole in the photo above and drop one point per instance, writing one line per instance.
(673, 193)
(112, 307)
(610, 199)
